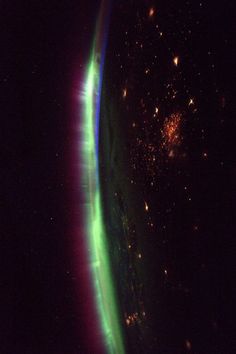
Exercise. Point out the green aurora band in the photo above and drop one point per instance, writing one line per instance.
(104, 290)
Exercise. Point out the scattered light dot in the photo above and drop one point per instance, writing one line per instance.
(146, 206)
(124, 92)
(188, 344)
(165, 271)
(191, 102)
(139, 256)
(176, 61)
(171, 153)
(151, 12)
(127, 321)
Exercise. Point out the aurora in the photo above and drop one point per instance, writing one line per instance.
(95, 232)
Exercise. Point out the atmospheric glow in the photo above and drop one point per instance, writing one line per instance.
(104, 292)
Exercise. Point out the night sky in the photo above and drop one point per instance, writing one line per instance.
(167, 167)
